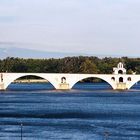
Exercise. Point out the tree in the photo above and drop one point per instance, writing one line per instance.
(88, 67)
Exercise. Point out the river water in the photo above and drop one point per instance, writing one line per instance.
(87, 112)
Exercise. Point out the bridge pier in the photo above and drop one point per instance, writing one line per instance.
(64, 86)
(121, 86)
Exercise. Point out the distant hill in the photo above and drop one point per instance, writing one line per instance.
(29, 53)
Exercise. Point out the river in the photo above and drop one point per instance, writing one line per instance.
(87, 112)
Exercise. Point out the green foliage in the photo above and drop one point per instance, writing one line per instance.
(88, 67)
(69, 65)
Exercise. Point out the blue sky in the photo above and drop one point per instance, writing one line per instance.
(108, 27)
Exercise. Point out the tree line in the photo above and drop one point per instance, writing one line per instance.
(81, 64)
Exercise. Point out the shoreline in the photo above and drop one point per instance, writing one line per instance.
(31, 81)
(43, 81)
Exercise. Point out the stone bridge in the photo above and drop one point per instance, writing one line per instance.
(117, 80)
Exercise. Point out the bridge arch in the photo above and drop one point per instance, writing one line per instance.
(109, 81)
(133, 83)
(17, 76)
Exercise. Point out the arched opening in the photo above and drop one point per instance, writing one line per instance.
(113, 78)
(136, 86)
(120, 72)
(30, 83)
(121, 80)
(129, 79)
(63, 80)
(92, 83)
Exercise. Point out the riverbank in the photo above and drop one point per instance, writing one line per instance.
(46, 81)
(31, 81)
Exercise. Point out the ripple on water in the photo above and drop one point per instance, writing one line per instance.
(83, 113)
